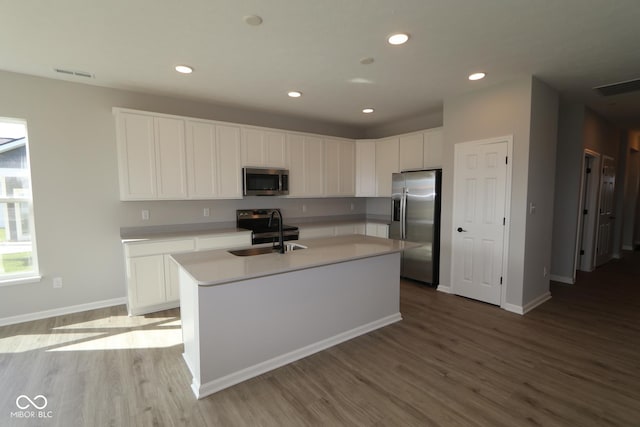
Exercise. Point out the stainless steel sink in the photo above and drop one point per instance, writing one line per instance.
(288, 247)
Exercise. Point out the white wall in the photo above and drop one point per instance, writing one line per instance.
(567, 190)
(496, 111)
(78, 214)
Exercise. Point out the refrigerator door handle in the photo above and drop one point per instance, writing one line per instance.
(403, 214)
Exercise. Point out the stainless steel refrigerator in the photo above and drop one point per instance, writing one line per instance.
(415, 217)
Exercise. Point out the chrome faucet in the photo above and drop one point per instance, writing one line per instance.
(280, 232)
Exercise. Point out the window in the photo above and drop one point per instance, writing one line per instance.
(18, 260)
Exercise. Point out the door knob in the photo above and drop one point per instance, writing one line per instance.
(461, 230)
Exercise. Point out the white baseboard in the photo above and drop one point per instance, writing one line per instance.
(562, 279)
(538, 301)
(517, 309)
(529, 306)
(61, 311)
(203, 390)
(445, 289)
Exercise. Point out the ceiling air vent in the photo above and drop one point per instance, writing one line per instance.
(74, 73)
(619, 88)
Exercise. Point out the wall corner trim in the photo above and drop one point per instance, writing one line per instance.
(61, 311)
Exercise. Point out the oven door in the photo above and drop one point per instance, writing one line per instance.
(265, 182)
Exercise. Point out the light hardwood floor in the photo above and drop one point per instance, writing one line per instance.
(574, 361)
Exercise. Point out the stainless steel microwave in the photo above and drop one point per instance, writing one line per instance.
(265, 182)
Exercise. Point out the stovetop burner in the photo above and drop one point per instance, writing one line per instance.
(257, 220)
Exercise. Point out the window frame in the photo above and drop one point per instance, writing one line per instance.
(33, 275)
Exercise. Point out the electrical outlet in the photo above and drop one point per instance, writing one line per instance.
(352, 206)
(57, 282)
(304, 208)
(544, 271)
(206, 212)
(145, 214)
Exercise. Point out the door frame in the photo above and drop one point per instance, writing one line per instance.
(507, 211)
(586, 227)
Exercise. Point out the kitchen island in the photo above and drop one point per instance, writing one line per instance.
(245, 315)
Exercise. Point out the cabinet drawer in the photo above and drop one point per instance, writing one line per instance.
(161, 247)
(224, 241)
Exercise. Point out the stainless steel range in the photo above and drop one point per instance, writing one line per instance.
(265, 229)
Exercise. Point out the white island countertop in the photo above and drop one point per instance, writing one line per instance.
(217, 267)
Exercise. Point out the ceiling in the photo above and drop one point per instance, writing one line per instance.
(316, 47)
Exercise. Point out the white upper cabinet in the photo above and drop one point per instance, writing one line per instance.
(387, 163)
(213, 161)
(151, 157)
(306, 165)
(171, 177)
(411, 151)
(433, 145)
(365, 168)
(263, 148)
(339, 169)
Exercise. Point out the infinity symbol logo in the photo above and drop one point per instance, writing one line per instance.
(30, 402)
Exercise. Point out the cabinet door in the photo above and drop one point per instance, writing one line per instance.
(433, 145)
(136, 152)
(146, 284)
(171, 175)
(386, 165)
(365, 169)
(377, 230)
(347, 169)
(314, 166)
(411, 152)
(171, 279)
(228, 162)
(252, 147)
(202, 158)
(274, 149)
(332, 167)
(296, 158)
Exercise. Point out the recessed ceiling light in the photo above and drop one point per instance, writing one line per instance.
(253, 20)
(396, 39)
(367, 110)
(184, 69)
(477, 76)
(295, 94)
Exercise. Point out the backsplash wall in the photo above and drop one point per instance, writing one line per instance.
(168, 212)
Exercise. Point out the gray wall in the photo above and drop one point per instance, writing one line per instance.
(493, 112)
(426, 120)
(540, 190)
(567, 189)
(78, 214)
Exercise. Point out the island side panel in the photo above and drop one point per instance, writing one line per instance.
(190, 325)
(253, 326)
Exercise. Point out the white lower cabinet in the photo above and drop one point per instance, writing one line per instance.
(377, 230)
(146, 282)
(152, 275)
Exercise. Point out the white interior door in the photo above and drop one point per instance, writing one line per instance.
(606, 215)
(480, 197)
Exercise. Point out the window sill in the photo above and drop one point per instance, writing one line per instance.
(20, 280)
